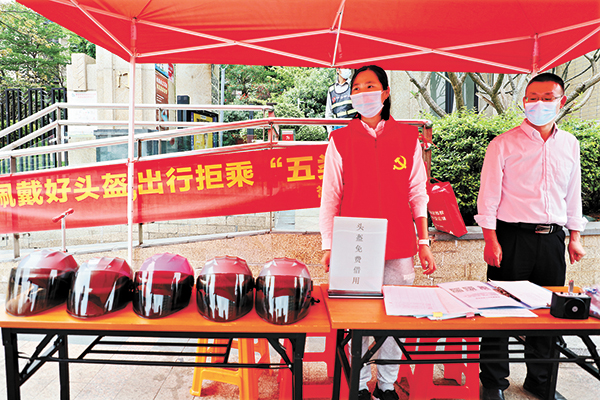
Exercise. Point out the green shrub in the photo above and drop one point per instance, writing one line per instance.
(303, 132)
(232, 136)
(588, 134)
(460, 142)
(311, 133)
(288, 110)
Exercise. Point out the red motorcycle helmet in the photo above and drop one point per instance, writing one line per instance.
(162, 286)
(40, 281)
(224, 289)
(283, 291)
(101, 285)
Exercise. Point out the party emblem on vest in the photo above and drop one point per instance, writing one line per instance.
(400, 163)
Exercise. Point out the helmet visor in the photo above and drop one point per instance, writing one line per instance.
(160, 293)
(41, 281)
(282, 300)
(96, 293)
(224, 297)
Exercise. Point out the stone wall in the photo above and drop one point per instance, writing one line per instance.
(163, 230)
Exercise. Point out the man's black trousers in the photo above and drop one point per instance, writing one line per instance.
(537, 258)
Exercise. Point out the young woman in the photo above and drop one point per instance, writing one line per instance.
(374, 169)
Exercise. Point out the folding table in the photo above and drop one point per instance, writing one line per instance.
(113, 330)
(355, 318)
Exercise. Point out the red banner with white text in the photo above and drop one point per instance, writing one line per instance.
(245, 180)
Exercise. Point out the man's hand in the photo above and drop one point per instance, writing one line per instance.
(576, 250)
(426, 258)
(492, 252)
(325, 260)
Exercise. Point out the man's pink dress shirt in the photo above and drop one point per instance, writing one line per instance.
(525, 179)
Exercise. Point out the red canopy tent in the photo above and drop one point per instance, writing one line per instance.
(503, 36)
(517, 36)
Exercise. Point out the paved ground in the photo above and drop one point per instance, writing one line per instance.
(98, 382)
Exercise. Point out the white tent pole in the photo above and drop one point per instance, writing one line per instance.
(536, 56)
(130, 160)
(221, 113)
(337, 35)
(131, 149)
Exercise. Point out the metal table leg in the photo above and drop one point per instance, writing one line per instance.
(63, 366)
(298, 350)
(355, 363)
(553, 373)
(337, 370)
(11, 363)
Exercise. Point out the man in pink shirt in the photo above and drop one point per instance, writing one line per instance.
(530, 189)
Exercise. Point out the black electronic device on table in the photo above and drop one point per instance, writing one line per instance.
(570, 305)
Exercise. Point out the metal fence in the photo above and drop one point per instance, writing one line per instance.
(16, 105)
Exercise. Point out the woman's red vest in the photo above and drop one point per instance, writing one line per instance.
(376, 173)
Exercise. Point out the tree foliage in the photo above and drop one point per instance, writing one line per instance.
(34, 50)
(308, 90)
(297, 92)
(77, 44)
(251, 84)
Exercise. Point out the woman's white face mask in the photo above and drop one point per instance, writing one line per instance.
(542, 112)
(368, 104)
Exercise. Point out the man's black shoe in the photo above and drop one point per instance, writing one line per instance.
(364, 394)
(379, 394)
(540, 391)
(492, 394)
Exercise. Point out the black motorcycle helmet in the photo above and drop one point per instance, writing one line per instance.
(40, 281)
(100, 286)
(283, 291)
(224, 289)
(162, 286)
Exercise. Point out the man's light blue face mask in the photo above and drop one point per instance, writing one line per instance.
(541, 112)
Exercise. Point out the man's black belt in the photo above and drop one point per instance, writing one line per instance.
(542, 229)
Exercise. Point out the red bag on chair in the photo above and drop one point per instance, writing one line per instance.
(443, 209)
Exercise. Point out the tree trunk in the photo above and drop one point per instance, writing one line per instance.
(492, 91)
(424, 91)
(457, 81)
(585, 89)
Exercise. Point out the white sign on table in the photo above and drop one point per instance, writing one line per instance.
(357, 257)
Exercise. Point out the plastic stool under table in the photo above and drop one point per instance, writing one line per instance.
(420, 379)
(244, 378)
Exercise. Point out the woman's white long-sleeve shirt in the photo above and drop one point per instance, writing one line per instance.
(331, 195)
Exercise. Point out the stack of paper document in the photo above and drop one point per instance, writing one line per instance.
(422, 301)
(530, 294)
(463, 298)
